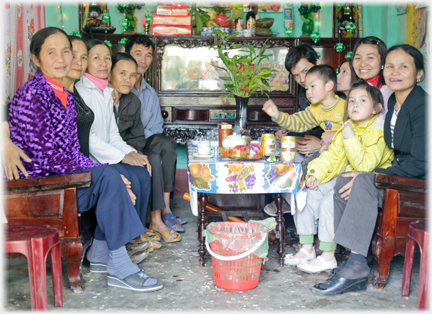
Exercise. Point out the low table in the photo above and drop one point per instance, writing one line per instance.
(217, 175)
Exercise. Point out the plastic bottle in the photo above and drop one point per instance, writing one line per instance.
(193, 14)
(251, 21)
(288, 19)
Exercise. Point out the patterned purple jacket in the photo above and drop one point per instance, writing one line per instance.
(42, 127)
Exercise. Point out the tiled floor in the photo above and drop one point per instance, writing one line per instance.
(190, 287)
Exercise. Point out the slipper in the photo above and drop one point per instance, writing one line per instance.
(181, 221)
(98, 268)
(135, 282)
(170, 222)
(176, 218)
(155, 235)
(166, 236)
(154, 245)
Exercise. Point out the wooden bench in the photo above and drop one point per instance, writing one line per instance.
(404, 202)
(52, 201)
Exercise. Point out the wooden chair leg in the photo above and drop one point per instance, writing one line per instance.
(408, 266)
(201, 226)
(72, 254)
(57, 275)
(424, 280)
(280, 229)
(382, 264)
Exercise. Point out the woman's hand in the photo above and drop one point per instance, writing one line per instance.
(11, 155)
(348, 130)
(345, 191)
(279, 134)
(115, 97)
(129, 188)
(135, 159)
(308, 145)
(311, 183)
(271, 109)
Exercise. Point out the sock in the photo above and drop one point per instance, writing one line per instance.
(355, 268)
(98, 252)
(120, 264)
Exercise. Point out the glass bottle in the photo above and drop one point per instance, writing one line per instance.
(193, 14)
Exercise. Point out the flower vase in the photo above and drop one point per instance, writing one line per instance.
(240, 126)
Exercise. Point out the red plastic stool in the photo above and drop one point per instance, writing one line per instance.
(417, 233)
(35, 241)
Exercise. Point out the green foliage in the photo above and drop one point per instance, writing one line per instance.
(246, 76)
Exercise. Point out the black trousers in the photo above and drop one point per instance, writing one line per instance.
(161, 152)
(117, 219)
(355, 219)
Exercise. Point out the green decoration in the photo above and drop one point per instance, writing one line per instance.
(318, 54)
(288, 31)
(124, 23)
(348, 55)
(77, 34)
(339, 47)
(350, 27)
(122, 42)
(307, 11)
(127, 8)
(148, 19)
(105, 18)
(108, 43)
(337, 71)
(315, 36)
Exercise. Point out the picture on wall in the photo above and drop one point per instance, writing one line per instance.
(401, 9)
(94, 17)
(423, 38)
(346, 20)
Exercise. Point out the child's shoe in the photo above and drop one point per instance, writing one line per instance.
(313, 269)
(292, 261)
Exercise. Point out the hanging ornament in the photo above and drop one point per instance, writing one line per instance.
(105, 18)
(318, 54)
(339, 47)
(350, 27)
(148, 19)
(337, 71)
(348, 55)
(124, 23)
(77, 34)
(108, 43)
(288, 31)
(122, 42)
(315, 36)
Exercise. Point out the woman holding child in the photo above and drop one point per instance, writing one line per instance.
(42, 119)
(356, 199)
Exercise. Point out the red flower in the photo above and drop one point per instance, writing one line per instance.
(251, 67)
(235, 67)
(241, 67)
(245, 89)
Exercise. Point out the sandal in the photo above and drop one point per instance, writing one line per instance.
(154, 245)
(155, 235)
(181, 221)
(166, 236)
(170, 222)
(176, 218)
(135, 282)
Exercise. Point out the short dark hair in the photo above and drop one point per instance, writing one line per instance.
(295, 54)
(414, 53)
(325, 72)
(382, 50)
(139, 39)
(118, 56)
(94, 42)
(39, 38)
(74, 38)
(373, 91)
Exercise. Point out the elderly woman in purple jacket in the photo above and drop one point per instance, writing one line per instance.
(42, 120)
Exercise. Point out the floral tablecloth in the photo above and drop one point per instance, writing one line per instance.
(217, 175)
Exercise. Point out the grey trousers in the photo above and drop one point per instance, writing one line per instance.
(165, 147)
(156, 200)
(318, 212)
(355, 219)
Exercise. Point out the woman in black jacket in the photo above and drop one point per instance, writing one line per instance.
(356, 199)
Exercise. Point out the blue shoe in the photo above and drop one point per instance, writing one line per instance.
(181, 221)
(170, 222)
(176, 218)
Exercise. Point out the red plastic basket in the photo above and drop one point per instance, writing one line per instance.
(243, 273)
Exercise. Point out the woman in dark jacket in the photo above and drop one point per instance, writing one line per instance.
(356, 199)
(127, 112)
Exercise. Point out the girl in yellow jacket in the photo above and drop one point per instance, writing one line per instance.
(358, 146)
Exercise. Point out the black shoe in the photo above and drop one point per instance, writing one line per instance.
(334, 271)
(337, 285)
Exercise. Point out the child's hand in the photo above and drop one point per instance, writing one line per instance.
(271, 109)
(324, 147)
(311, 183)
(347, 131)
(279, 134)
(327, 137)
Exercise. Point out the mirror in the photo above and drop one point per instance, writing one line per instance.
(192, 69)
